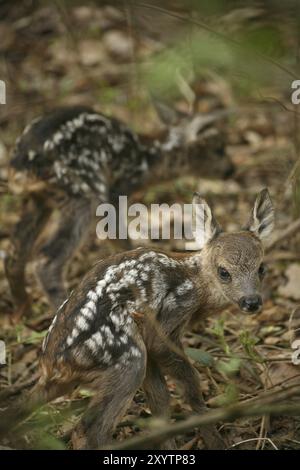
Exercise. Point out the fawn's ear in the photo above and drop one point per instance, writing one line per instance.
(261, 221)
(201, 124)
(205, 226)
(168, 115)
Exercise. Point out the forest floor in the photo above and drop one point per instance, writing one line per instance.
(238, 356)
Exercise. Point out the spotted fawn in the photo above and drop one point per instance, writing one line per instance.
(122, 327)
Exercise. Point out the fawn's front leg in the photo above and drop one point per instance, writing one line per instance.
(157, 394)
(177, 365)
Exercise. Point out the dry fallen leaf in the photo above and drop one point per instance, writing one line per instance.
(292, 287)
(272, 340)
(91, 52)
(118, 44)
(279, 373)
(273, 313)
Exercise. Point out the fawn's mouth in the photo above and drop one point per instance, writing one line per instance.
(252, 304)
(251, 311)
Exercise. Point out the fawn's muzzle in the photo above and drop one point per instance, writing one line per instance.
(252, 303)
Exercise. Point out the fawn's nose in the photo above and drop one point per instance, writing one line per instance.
(251, 303)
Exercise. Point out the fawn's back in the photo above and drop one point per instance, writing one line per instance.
(87, 153)
(80, 151)
(97, 326)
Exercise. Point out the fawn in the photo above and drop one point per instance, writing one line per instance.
(121, 328)
(76, 158)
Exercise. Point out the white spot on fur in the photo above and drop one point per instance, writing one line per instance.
(123, 339)
(82, 324)
(106, 357)
(185, 287)
(135, 352)
(95, 342)
(31, 155)
(87, 313)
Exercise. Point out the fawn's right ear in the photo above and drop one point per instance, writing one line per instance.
(261, 221)
(167, 114)
(205, 226)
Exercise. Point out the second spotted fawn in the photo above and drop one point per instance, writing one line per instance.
(73, 159)
(122, 327)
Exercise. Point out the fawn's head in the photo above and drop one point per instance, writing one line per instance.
(197, 141)
(233, 262)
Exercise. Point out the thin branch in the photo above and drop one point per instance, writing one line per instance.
(277, 101)
(222, 36)
(285, 234)
(9, 392)
(256, 439)
(231, 413)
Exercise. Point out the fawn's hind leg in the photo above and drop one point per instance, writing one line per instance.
(75, 219)
(34, 216)
(114, 391)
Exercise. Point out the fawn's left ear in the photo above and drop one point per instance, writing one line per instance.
(261, 221)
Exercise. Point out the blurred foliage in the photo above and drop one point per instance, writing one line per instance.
(230, 396)
(218, 330)
(198, 355)
(240, 55)
(249, 342)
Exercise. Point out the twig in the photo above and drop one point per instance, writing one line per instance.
(277, 101)
(252, 359)
(284, 234)
(256, 439)
(15, 390)
(250, 408)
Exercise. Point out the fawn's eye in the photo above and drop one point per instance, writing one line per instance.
(262, 270)
(224, 274)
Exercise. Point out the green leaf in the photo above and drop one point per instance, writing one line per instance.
(35, 337)
(205, 358)
(86, 393)
(248, 342)
(231, 367)
(230, 395)
(219, 331)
